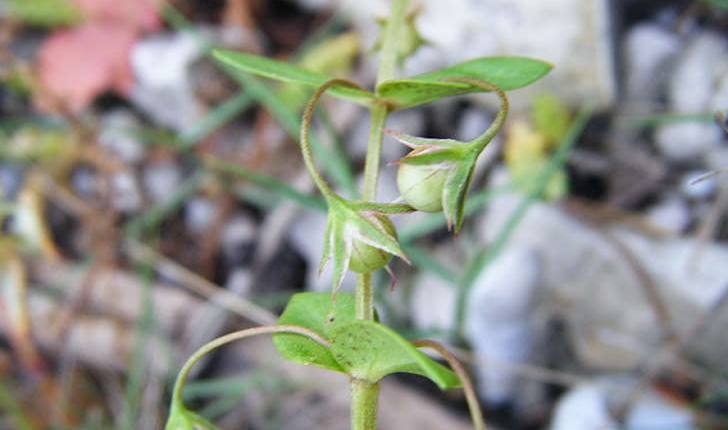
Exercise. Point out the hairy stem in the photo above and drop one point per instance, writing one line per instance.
(481, 141)
(306, 143)
(470, 394)
(242, 334)
(364, 404)
(365, 395)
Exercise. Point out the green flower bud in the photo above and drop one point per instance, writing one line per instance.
(421, 186)
(366, 258)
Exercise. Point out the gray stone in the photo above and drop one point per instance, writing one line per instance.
(687, 141)
(161, 180)
(117, 134)
(583, 407)
(671, 215)
(499, 320)
(694, 189)
(589, 281)
(648, 48)
(200, 213)
(125, 194)
(164, 91)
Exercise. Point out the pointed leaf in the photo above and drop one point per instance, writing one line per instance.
(377, 237)
(370, 351)
(317, 312)
(507, 73)
(416, 142)
(342, 244)
(326, 254)
(286, 72)
(444, 156)
(453, 197)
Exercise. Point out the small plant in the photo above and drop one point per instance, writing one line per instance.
(340, 332)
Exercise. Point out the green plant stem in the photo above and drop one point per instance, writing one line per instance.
(222, 340)
(365, 395)
(364, 302)
(364, 401)
(374, 150)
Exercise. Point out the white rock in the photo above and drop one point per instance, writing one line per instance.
(240, 281)
(583, 408)
(702, 189)
(200, 213)
(125, 194)
(695, 75)
(647, 48)
(611, 321)
(84, 181)
(671, 214)
(161, 180)
(163, 90)
(499, 320)
(11, 179)
(238, 230)
(117, 134)
(432, 303)
(653, 411)
(687, 141)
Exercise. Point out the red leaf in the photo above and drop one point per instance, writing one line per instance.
(77, 64)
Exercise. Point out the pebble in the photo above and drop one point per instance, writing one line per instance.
(237, 240)
(200, 213)
(432, 303)
(161, 180)
(687, 141)
(671, 214)
(583, 407)
(647, 48)
(702, 189)
(654, 411)
(84, 181)
(240, 281)
(596, 280)
(696, 73)
(125, 194)
(117, 134)
(499, 320)
(164, 89)
(11, 179)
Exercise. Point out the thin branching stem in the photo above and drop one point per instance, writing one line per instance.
(242, 334)
(481, 141)
(305, 142)
(470, 395)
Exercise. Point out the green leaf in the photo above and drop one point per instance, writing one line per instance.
(507, 73)
(456, 188)
(286, 72)
(45, 13)
(369, 350)
(317, 312)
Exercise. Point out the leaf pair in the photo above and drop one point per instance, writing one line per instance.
(507, 73)
(363, 349)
